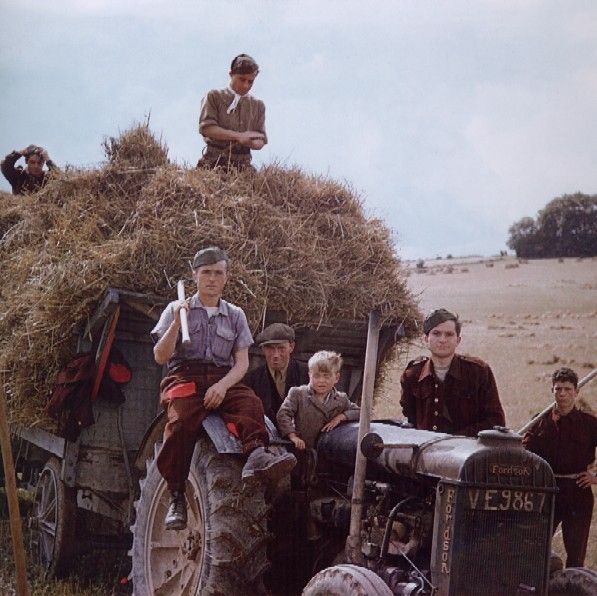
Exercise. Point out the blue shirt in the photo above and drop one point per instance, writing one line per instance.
(213, 339)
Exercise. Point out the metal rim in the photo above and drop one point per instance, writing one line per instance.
(174, 559)
(44, 522)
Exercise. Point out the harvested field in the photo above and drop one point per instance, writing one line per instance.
(526, 321)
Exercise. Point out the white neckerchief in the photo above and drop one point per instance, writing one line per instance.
(235, 101)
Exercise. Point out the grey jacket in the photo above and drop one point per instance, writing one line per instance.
(302, 413)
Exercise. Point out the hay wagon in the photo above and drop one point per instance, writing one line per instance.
(85, 489)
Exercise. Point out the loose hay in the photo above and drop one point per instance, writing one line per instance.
(298, 243)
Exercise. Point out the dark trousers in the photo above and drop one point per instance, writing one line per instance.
(240, 406)
(213, 159)
(574, 508)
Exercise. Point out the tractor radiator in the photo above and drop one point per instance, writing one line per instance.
(491, 540)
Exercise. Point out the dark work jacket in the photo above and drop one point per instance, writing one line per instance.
(568, 446)
(466, 402)
(20, 180)
(262, 383)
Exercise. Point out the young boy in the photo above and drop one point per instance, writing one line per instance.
(318, 406)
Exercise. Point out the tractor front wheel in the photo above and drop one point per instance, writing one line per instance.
(346, 579)
(573, 581)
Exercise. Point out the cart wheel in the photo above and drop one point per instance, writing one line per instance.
(573, 581)
(346, 579)
(52, 521)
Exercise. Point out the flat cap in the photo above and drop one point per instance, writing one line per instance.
(209, 256)
(274, 334)
(437, 317)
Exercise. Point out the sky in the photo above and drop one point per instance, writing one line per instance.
(451, 119)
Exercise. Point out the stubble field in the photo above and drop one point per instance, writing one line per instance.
(525, 319)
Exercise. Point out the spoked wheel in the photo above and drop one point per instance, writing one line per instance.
(223, 548)
(573, 581)
(346, 579)
(52, 521)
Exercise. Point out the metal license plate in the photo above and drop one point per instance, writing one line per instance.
(485, 499)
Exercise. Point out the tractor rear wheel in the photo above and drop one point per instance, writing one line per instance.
(346, 579)
(223, 548)
(52, 521)
(573, 581)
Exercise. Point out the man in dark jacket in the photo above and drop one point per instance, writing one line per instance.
(280, 372)
(449, 392)
(30, 178)
(566, 438)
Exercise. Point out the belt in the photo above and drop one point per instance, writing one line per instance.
(216, 150)
(197, 366)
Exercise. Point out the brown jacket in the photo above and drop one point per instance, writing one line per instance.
(302, 413)
(466, 402)
(248, 115)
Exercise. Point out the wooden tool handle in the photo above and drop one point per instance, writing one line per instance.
(184, 322)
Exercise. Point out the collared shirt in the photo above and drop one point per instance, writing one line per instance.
(302, 413)
(465, 403)
(568, 445)
(213, 339)
(249, 114)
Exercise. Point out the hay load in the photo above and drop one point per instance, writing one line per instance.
(298, 243)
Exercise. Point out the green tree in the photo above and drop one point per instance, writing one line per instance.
(565, 227)
(523, 238)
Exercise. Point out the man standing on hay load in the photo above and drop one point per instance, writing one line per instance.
(32, 177)
(566, 438)
(204, 376)
(232, 122)
(449, 392)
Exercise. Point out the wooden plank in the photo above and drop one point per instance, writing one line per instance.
(102, 470)
(42, 439)
(10, 480)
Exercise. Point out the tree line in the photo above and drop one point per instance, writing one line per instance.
(565, 227)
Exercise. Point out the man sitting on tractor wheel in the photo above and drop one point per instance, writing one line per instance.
(449, 392)
(206, 376)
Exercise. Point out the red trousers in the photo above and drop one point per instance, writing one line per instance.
(181, 395)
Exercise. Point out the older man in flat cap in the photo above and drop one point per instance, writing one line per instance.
(280, 372)
(448, 392)
(204, 376)
(232, 121)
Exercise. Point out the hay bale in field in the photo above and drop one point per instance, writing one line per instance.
(298, 243)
